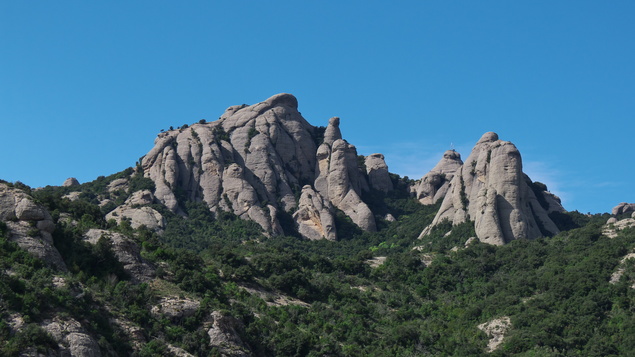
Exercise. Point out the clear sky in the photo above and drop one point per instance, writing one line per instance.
(85, 86)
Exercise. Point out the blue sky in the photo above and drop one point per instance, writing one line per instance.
(86, 86)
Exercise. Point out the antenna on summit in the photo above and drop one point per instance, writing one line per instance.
(452, 146)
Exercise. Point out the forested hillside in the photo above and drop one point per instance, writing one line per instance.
(212, 284)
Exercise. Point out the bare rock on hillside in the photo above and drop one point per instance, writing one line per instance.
(377, 170)
(623, 208)
(332, 131)
(314, 217)
(613, 226)
(224, 335)
(118, 184)
(30, 225)
(127, 252)
(71, 181)
(71, 337)
(435, 184)
(495, 330)
(491, 190)
(617, 274)
(139, 216)
(175, 308)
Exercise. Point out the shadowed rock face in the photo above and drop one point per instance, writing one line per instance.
(435, 184)
(491, 190)
(254, 161)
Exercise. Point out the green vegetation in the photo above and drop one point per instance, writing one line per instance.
(423, 301)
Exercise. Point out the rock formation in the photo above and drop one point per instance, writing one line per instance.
(139, 216)
(623, 208)
(255, 160)
(127, 252)
(72, 338)
(71, 181)
(377, 170)
(435, 184)
(223, 335)
(491, 190)
(314, 217)
(30, 225)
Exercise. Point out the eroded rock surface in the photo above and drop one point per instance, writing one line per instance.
(127, 252)
(224, 335)
(377, 170)
(435, 184)
(491, 190)
(138, 214)
(255, 160)
(623, 208)
(314, 217)
(72, 338)
(30, 225)
(71, 181)
(495, 330)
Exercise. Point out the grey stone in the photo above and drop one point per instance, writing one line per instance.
(377, 170)
(71, 181)
(435, 184)
(491, 190)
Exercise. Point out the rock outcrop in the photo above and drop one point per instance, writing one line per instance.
(71, 181)
(435, 184)
(30, 225)
(71, 337)
(175, 308)
(223, 335)
(127, 252)
(377, 170)
(254, 162)
(491, 190)
(138, 214)
(623, 208)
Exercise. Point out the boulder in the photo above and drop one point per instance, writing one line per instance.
(175, 308)
(71, 181)
(30, 225)
(139, 216)
(377, 171)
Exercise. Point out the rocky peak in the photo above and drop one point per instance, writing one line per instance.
(623, 208)
(71, 181)
(332, 131)
(491, 190)
(255, 160)
(435, 184)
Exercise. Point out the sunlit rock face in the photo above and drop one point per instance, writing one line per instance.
(491, 190)
(254, 162)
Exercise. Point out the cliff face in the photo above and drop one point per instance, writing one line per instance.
(254, 162)
(491, 190)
